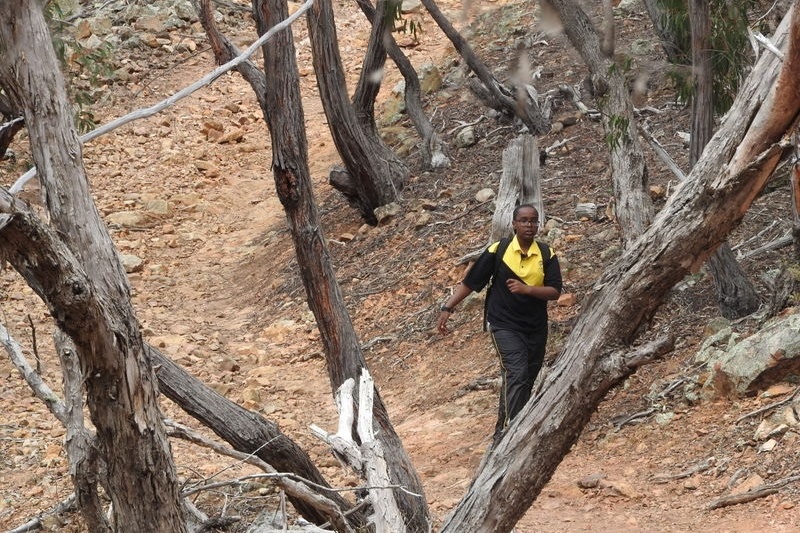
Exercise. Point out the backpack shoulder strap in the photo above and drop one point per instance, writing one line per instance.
(499, 252)
(502, 246)
(547, 253)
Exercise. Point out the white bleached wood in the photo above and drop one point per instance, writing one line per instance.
(366, 386)
(344, 403)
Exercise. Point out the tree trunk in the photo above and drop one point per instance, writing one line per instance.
(676, 51)
(519, 184)
(369, 82)
(432, 151)
(703, 100)
(93, 308)
(736, 295)
(85, 465)
(376, 172)
(633, 205)
(344, 358)
(795, 186)
(734, 168)
(516, 101)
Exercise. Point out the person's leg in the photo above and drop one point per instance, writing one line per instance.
(521, 358)
(515, 385)
(502, 409)
(536, 344)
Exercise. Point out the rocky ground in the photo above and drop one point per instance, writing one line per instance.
(189, 198)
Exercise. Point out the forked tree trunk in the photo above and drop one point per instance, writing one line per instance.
(736, 295)
(734, 168)
(432, 150)
(628, 169)
(94, 308)
(516, 101)
(375, 173)
(344, 358)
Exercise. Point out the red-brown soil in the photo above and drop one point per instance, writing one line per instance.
(220, 293)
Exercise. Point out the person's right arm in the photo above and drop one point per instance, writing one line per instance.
(461, 292)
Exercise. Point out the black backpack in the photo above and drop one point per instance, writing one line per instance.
(502, 246)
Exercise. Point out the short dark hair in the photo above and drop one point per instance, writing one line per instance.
(522, 206)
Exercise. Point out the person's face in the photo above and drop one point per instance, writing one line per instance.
(526, 224)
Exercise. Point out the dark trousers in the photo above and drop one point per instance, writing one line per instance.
(521, 357)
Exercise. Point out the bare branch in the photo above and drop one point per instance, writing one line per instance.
(183, 93)
(750, 495)
(769, 407)
(31, 377)
(291, 483)
(35, 524)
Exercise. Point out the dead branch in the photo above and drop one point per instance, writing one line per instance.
(462, 124)
(769, 407)
(292, 484)
(662, 153)
(758, 237)
(34, 524)
(750, 495)
(368, 459)
(627, 419)
(34, 380)
(778, 243)
(696, 469)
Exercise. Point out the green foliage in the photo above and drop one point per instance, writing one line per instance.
(623, 64)
(86, 69)
(399, 23)
(617, 131)
(729, 43)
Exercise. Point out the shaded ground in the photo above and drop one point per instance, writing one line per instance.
(219, 292)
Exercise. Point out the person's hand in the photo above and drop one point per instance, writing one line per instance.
(516, 286)
(441, 324)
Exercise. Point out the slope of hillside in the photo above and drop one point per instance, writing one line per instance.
(218, 289)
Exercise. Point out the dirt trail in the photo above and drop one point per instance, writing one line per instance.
(218, 292)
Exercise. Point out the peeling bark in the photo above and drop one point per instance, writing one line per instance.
(94, 306)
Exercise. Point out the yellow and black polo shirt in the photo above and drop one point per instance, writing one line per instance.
(506, 310)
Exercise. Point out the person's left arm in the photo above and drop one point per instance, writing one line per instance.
(550, 290)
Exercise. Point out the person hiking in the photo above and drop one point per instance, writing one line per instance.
(524, 275)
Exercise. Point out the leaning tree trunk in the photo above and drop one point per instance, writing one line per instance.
(518, 101)
(736, 295)
(677, 51)
(244, 430)
(374, 174)
(633, 205)
(432, 150)
(734, 168)
(247, 432)
(795, 185)
(369, 82)
(344, 358)
(94, 308)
